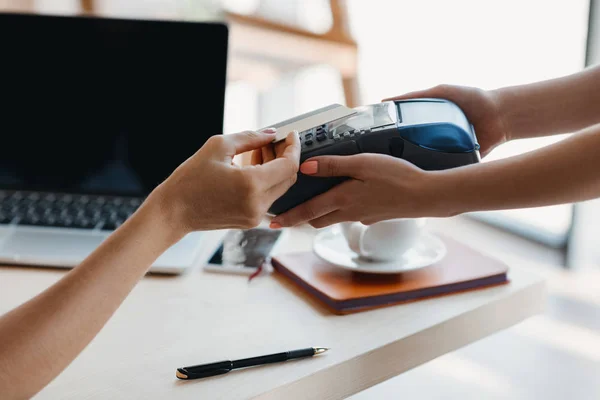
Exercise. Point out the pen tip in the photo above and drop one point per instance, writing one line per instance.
(320, 350)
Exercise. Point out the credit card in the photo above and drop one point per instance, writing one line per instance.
(310, 120)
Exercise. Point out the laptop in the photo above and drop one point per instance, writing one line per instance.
(94, 114)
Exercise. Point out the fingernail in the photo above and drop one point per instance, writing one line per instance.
(309, 167)
(275, 225)
(270, 130)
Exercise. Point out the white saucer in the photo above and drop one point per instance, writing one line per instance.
(331, 246)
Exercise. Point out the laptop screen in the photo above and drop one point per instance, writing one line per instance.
(105, 106)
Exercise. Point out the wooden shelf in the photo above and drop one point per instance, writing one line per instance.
(261, 49)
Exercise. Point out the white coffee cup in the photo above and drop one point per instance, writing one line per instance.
(385, 240)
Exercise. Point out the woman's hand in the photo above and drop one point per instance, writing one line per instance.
(205, 192)
(381, 187)
(208, 191)
(481, 107)
(269, 152)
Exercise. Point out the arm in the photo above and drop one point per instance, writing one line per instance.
(561, 105)
(564, 172)
(206, 192)
(51, 329)
(383, 187)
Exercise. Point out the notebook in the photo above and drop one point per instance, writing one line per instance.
(344, 291)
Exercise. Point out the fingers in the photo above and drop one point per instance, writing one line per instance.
(267, 153)
(256, 157)
(278, 190)
(284, 167)
(262, 155)
(312, 209)
(291, 147)
(241, 142)
(329, 219)
(279, 148)
(347, 166)
(291, 154)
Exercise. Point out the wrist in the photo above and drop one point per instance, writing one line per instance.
(443, 193)
(503, 104)
(163, 215)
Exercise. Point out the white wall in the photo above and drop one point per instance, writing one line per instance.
(584, 244)
(407, 45)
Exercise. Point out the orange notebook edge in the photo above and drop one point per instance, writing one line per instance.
(380, 301)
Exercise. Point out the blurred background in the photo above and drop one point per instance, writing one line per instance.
(291, 56)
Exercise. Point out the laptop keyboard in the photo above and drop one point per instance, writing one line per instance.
(66, 210)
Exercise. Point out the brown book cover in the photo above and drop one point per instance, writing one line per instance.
(343, 291)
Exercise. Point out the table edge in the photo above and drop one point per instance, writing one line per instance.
(348, 378)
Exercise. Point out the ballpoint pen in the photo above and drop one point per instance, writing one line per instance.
(222, 367)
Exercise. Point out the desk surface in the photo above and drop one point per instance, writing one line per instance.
(170, 322)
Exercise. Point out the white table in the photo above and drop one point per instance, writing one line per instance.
(170, 322)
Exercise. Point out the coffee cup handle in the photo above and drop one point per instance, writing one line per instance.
(355, 238)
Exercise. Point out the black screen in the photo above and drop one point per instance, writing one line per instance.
(106, 106)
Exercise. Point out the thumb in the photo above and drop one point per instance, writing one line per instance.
(242, 142)
(348, 166)
(440, 91)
